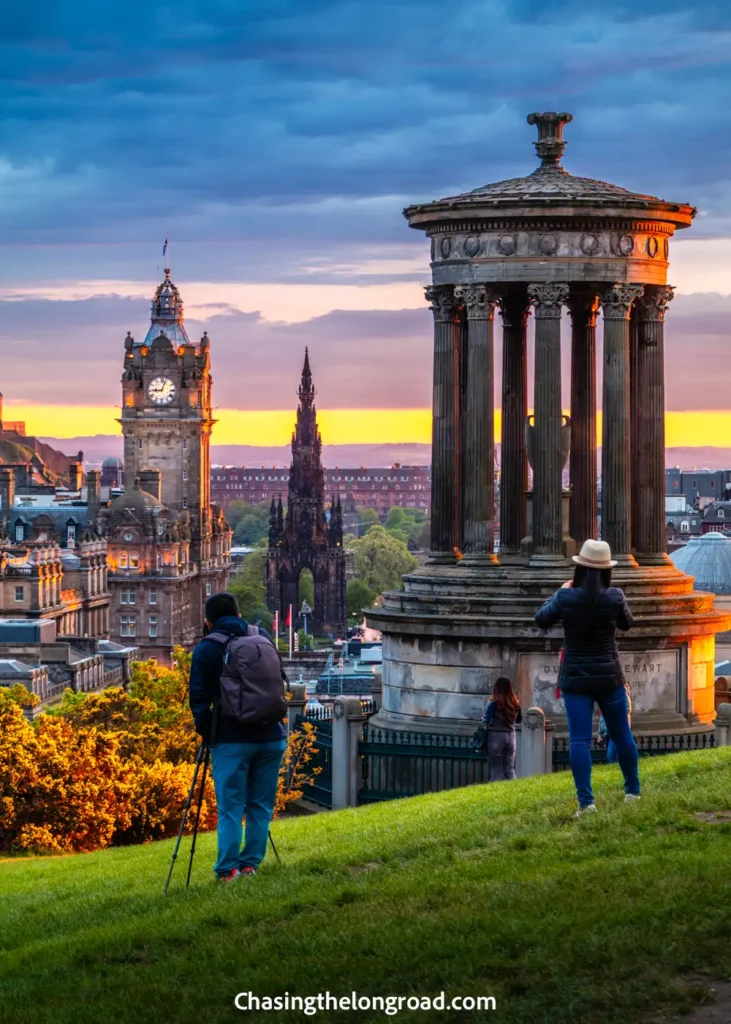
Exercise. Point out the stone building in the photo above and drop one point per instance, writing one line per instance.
(381, 488)
(169, 547)
(538, 245)
(112, 472)
(307, 537)
(708, 560)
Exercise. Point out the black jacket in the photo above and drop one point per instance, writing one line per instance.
(204, 687)
(590, 662)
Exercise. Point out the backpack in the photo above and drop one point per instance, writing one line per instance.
(252, 684)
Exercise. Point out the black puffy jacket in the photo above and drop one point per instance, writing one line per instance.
(590, 662)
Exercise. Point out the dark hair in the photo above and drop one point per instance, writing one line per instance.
(593, 580)
(508, 704)
(219, 605)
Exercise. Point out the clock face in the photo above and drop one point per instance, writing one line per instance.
(161, 391)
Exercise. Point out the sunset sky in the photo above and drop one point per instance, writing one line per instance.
(275, 142)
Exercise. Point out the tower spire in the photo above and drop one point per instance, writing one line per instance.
(306, 389)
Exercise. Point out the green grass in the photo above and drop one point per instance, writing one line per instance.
(491, 890)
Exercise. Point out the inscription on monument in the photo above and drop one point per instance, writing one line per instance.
(652, 678)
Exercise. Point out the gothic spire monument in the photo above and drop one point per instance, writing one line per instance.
(307, 537)
(543, 245)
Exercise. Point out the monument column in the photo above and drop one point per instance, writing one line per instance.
(617, 302)
(444, 469)
(583, 308)
(515, 308)
(547, 530)
(648, 426)
(478, 426)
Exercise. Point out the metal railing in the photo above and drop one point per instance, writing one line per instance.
(320, 791)
(401, 764)
(647, 746)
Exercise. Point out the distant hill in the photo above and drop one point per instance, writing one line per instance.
(99, 447)
(18, 448)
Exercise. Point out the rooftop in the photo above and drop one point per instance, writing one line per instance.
(708, 559)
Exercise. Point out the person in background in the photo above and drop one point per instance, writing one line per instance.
(501, 716)
(603, 732)
(245, 758)
(591, 611)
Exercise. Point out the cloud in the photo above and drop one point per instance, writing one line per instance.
(72, 352)
(316, 122)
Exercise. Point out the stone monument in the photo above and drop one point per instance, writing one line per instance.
(536, 245)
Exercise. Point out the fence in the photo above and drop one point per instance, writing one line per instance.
(400, 764)
(362, 764)
(647, 746)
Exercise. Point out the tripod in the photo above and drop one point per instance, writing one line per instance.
(203, 758)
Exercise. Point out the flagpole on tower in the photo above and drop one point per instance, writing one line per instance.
(289, 622)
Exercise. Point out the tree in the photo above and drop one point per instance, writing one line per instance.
(367, 517)
(380, 560)
(248, 586)
(359, 596)
(250, 523)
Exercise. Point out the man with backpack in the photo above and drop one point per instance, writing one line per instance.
(236, 694)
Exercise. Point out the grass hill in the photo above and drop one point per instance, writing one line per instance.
(492, 890)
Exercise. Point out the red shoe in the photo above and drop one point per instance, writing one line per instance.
(247, 872)
(233, 876)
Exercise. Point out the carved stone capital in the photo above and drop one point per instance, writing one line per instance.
(617, 300)
(583, 308)
(478, 301)
(548, 299)
(443, 302)
(653, 303)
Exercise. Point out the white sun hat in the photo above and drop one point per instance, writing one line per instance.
(595, 554)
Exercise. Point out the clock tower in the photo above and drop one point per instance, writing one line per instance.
(166, 412)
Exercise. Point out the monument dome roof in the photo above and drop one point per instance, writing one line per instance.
(134, 505)
(551, 186)
(112, 462)
(708, 559)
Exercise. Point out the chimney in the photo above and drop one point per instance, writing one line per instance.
(93, 492)
(151, 481)
(76, 476)
(7, 491)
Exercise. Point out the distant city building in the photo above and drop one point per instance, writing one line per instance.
(380, 489)
(717, 517)
(112, 472)
(10, 426)
(699, 487)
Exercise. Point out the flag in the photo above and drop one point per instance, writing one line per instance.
(289, 617)
(165, 248)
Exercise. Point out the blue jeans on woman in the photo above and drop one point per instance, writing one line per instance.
(580, 714)
(245, 777)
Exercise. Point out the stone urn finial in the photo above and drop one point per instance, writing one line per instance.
(550, 145)
(530, 432)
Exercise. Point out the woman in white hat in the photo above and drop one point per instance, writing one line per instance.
(591, 611)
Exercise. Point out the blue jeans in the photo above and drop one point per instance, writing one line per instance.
(580, 712)
(245, 777)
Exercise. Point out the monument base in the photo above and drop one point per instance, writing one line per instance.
(569, 546)
(449, 634)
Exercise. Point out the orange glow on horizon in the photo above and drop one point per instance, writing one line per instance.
(688, 428)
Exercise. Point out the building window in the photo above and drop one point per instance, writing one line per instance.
(153, 597)
(185, 502)
(20, 593)
(19, 531)
(134, 561)
(185, 447)
(128, 626)
(122, 559)
(684, 527)
(153, 626)
(71, 533)
(128, 597)
(721, 514)
(139, 444)
(209, 589)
